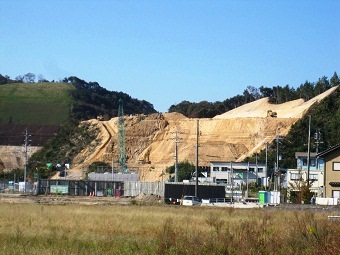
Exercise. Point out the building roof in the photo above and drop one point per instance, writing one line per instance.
(321, 154)
(305, 154)
(235, 164)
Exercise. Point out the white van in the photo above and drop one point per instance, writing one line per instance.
(191, 201)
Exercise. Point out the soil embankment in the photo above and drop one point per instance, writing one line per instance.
(150, 140)
(232, 136)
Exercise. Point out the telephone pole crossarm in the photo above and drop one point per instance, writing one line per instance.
(176, 139)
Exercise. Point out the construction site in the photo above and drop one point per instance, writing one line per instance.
(152, 142)
(149, 143)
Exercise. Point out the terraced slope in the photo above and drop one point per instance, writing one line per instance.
(232, 136)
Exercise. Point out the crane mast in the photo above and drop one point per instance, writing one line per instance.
(121, 138)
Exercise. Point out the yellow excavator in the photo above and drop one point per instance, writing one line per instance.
(272, 114)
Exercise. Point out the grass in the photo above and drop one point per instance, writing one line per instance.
(35, 103)
(133, 229)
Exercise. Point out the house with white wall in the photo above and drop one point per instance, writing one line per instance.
(296, 177)
(239, 172)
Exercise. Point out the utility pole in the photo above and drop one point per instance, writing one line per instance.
(176, 139)
(256, 170)
(317, 143)
(308, 157)
(25, 152)
(231, 181)
(112, 169)
(247, 179)
(196, 166)
(277, 162)
(266, 174)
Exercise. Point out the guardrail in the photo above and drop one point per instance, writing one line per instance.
(216, 200)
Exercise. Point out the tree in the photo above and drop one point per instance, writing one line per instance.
(247, 96)
(19, 78)
(3, 79)
(335, 80)
(266, 92)
(254, 92)
(181, 107)
(321, 86)
(29, 77)
(300, 190)
(41, 78)
(306, 90)
(185, 170)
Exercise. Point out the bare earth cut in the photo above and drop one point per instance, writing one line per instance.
(232, 136)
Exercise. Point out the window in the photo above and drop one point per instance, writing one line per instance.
(304, 162)
(225, 169)
(313, 162)
(260, 170)
(216, 168)
(313, 177)
(296, 177)
(336, 166)
(336, 193)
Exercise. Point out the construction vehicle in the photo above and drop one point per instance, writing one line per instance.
(272, 114)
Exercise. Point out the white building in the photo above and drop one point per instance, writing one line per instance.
(296, 177)
(239, 172)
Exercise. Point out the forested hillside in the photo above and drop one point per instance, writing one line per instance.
(92, 100)
(88, 100)
(325, 117)
(277, 95)
(325, 133)
(43, 107)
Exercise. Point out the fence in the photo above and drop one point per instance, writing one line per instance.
(99, 188)
(150, 188)
(80, 187)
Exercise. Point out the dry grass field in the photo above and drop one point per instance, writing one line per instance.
(27, 228)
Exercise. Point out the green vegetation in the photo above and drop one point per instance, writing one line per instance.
(325, 119)
(53, 103)
(92, 100)
(62, 148)
(14, 175)
(52, 111)
(132, 229)
(98, 167)
(185, 170)
(35, 104)
(276, 94)
(63, 104)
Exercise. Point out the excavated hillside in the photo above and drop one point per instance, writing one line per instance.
(232, 136)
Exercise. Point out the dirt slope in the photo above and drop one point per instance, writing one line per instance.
(232, 136)
(150, 140)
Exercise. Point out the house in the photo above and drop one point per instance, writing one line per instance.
(224, 172)
(332, 171)
(296, 177)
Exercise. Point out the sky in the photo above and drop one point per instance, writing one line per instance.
(166, 52)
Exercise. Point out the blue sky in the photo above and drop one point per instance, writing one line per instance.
(169, 51)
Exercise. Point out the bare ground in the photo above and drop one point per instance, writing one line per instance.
(150, 140)
(83, 200)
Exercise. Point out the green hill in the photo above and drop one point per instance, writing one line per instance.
(35, 103)
(43, 107)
